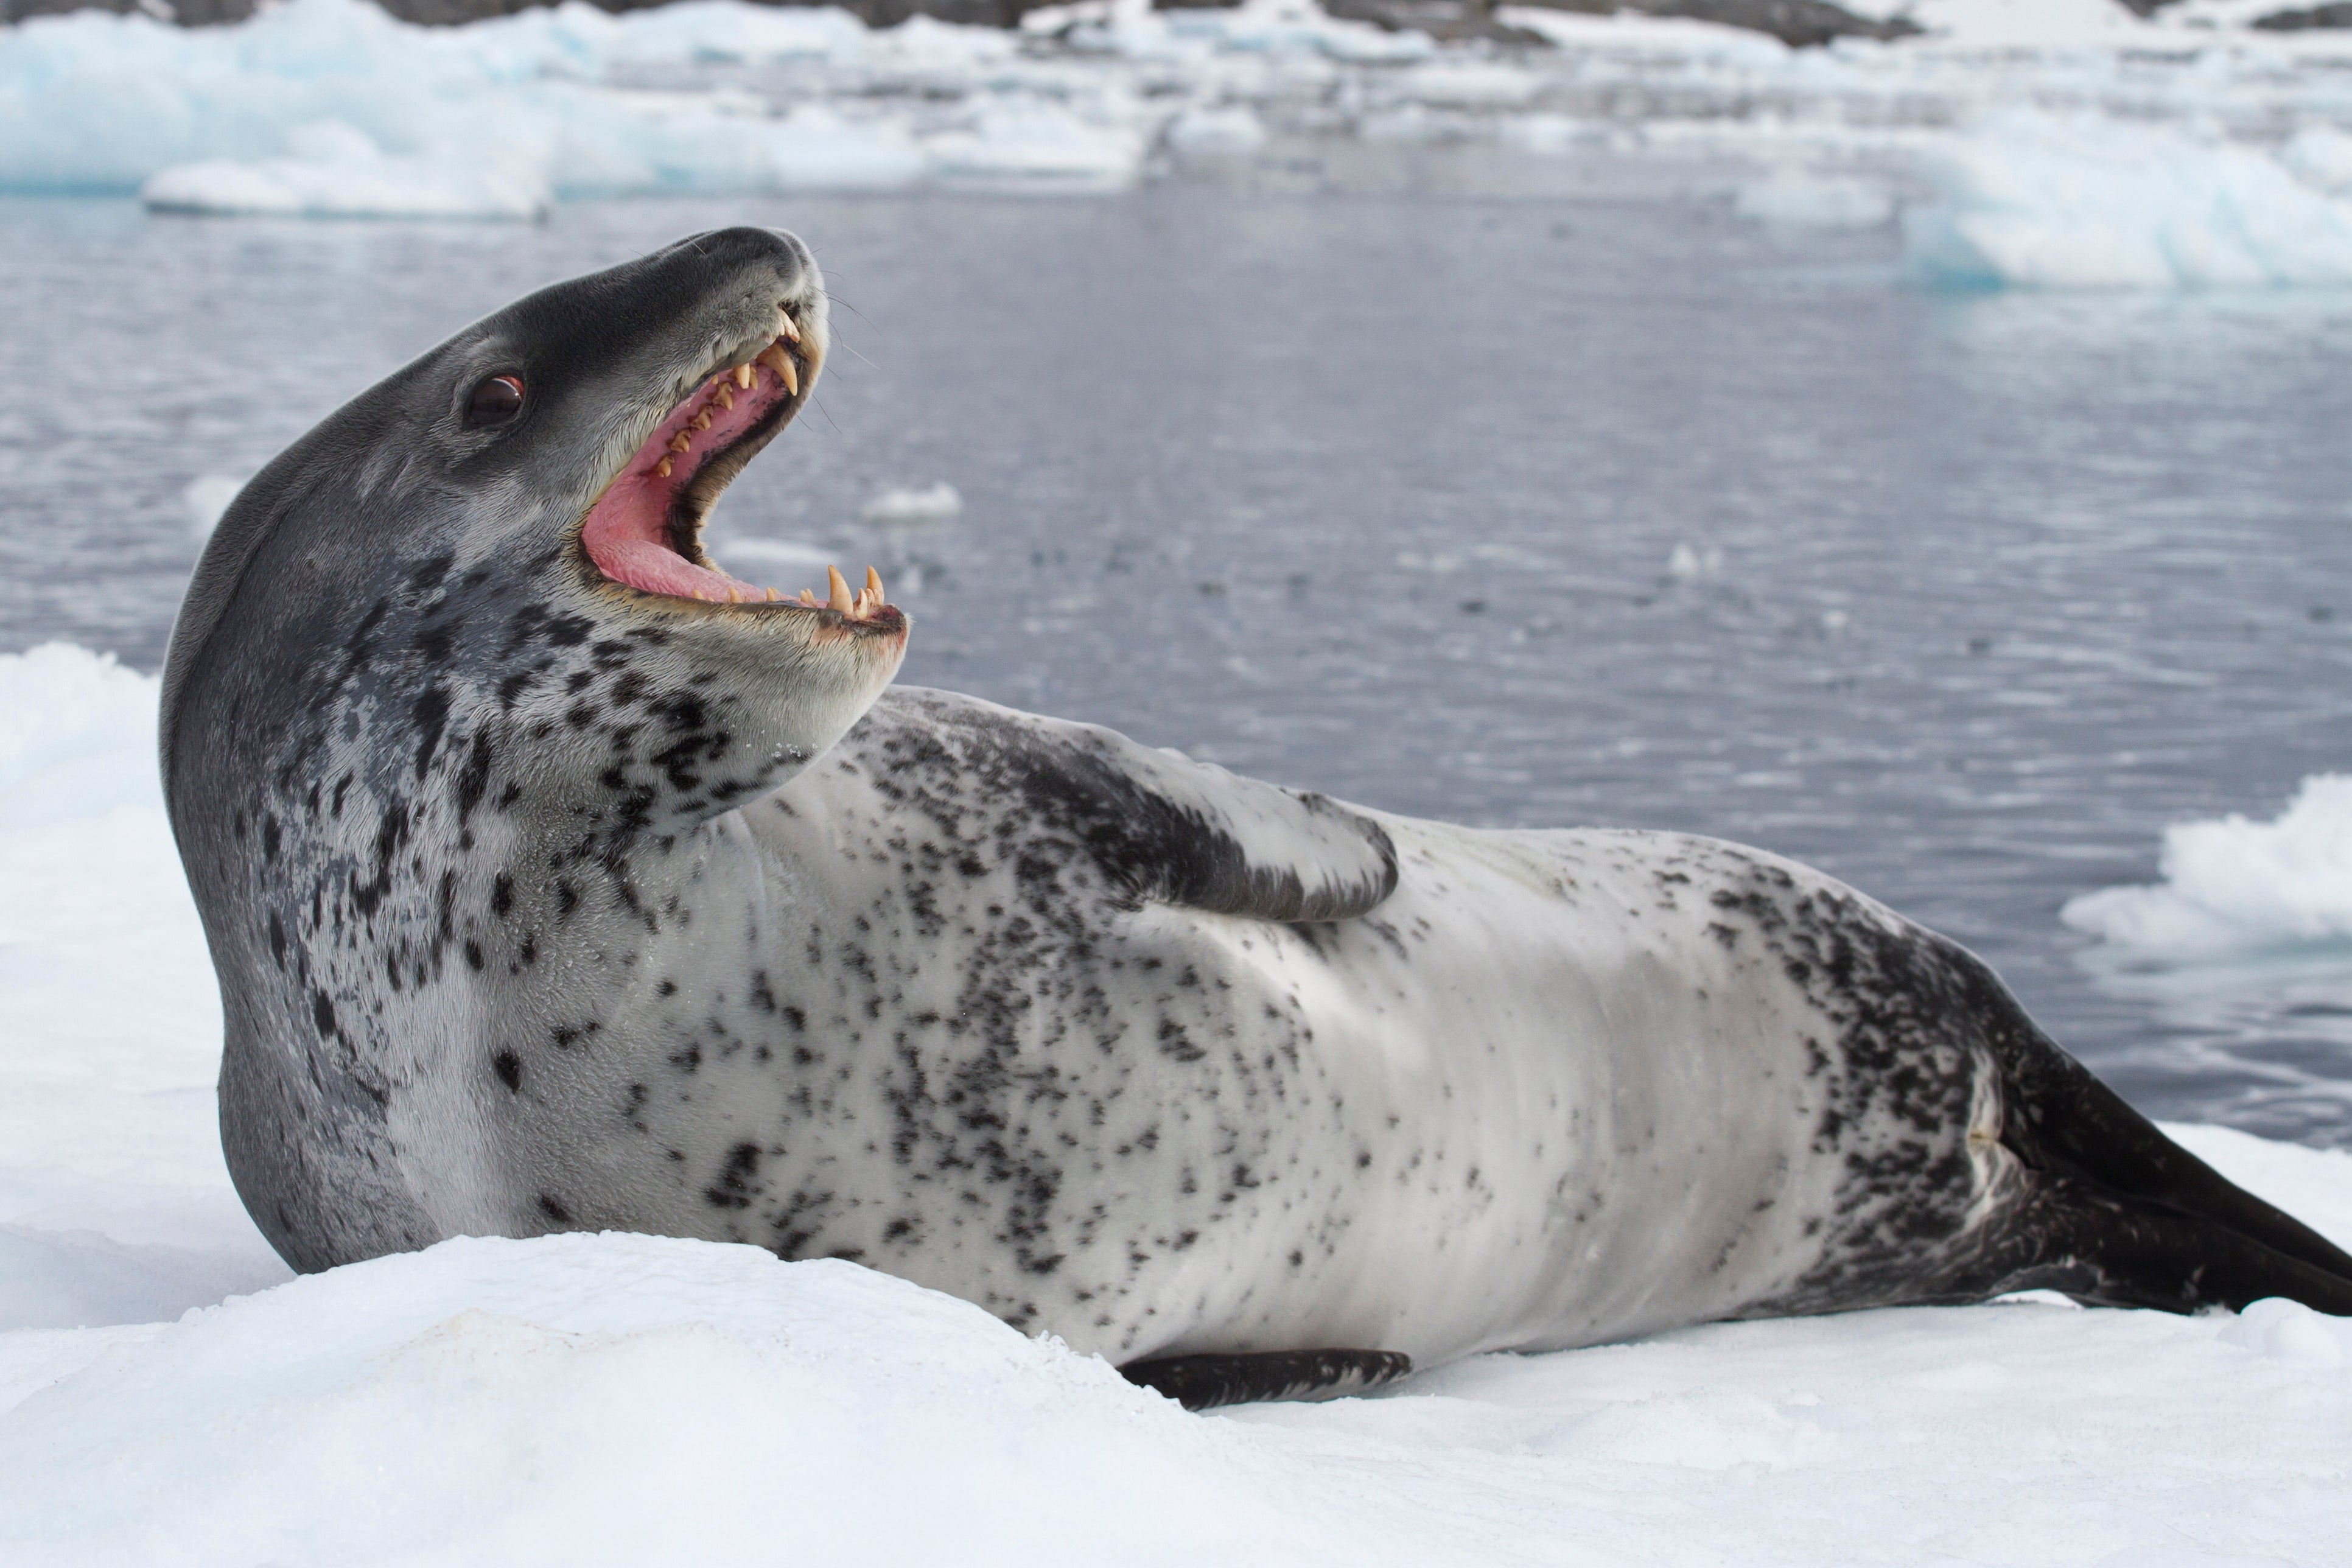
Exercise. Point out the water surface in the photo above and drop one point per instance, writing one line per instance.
(1382, 494)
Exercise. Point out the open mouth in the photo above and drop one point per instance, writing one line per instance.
(645, 530)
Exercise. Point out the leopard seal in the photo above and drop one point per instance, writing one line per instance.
(557, 880)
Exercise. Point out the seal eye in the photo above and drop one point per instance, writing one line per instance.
(495, 401)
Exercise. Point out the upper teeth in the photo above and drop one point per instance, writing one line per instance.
(779, 361)
(722, 389)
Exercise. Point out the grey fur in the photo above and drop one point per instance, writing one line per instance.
(539, 903)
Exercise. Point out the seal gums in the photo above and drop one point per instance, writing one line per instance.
(643, 531)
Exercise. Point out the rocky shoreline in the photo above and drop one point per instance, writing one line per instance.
(1799, 23)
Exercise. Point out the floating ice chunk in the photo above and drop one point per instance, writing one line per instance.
(1545, 131)
(1793, 198)
(1295, 27)
(1472, 85)
(1686, 562)
(335, 171)
(2321, 156)
(1232, 129)
(815, 148)
(928, 503)
(2040, 202)
(206, 497)
(2236, 886)
(1029, 144)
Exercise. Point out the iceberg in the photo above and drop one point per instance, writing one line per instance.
(2046, 202)
(334, 170)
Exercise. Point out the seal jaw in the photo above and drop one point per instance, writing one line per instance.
(643, 530)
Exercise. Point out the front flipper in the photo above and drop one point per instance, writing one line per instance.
(1206, 1381)
(1160, 828)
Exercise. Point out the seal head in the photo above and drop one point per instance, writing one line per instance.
(471, 610)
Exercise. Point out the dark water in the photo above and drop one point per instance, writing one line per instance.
(1378, 494)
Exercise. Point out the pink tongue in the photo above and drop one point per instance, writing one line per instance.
(627, 533)
(658, 569)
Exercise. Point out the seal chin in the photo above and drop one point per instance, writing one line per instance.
(643, 531)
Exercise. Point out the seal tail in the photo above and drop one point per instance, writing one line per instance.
(2118, 1214)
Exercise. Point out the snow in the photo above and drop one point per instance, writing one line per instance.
(2234, 887)
(2030, 144)
(168, 1395)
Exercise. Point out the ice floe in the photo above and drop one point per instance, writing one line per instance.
(170, 1394)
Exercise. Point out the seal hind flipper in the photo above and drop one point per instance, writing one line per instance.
(2124, 1216)
(1206, 1381)
(1162, 827)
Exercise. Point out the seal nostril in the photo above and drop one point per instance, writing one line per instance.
(495, 401)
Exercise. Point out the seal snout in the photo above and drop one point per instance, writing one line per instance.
(644, 529)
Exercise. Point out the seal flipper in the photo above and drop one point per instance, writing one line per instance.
(1206, 1381)
(2124, 1216)
(2118, 1214)
(1162, 827)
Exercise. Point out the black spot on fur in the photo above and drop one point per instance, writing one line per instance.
(734, 1189)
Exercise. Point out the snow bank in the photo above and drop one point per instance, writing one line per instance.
(114, 1204)
(169, 1396)
(626, 1400)
(2233, 888)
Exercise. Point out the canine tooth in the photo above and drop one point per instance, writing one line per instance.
(840, 600)
(744, 376)
(663, 467)
(678, 442)
(702, 421)
(774, 357)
